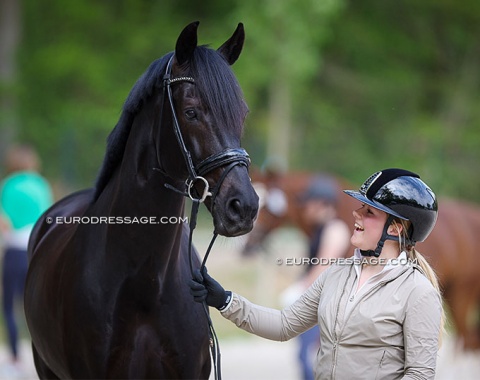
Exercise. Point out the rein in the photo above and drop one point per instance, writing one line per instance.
(228, 158)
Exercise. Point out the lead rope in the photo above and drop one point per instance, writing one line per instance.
(214, 345)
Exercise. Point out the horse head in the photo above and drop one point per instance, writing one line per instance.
(205, 108)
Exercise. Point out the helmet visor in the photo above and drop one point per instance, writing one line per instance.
(362, 198)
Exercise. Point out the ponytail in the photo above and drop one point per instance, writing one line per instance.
(425, 267)
(417, 257)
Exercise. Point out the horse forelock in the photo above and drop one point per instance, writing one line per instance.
(218, 88)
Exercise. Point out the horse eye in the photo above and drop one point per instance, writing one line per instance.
(190, 114)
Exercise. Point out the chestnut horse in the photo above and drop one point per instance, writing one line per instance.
(276, 212)
(451, 248)
(106, 294)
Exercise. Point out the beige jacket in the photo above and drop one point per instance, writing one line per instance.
(391, 332)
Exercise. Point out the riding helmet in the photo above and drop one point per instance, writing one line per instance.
(402, 194)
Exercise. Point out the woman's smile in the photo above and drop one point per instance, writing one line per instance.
(358, 227)
(368, 227)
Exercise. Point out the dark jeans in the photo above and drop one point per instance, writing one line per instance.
(309, 345)
(15, 264)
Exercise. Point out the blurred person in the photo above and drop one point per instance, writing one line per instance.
(380, 312)
(330, 241)
(24, 196)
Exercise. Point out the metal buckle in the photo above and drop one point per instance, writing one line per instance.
(206, 189)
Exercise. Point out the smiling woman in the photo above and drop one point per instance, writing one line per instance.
(380, 314)
(369, 223)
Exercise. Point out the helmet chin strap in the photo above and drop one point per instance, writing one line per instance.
(381, 242)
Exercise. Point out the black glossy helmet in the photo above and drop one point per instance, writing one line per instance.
(402, 194)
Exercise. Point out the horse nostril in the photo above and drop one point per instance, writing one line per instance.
(235, 206)
(241, 210)
(236, 217)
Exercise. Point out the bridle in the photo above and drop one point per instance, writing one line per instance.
(231, 156)
(228, 158)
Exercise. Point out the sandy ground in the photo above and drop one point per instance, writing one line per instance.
(264, 360)
(259, 359)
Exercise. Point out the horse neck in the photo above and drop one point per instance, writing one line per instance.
(136, 189)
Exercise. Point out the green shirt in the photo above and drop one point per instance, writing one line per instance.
(24, 196)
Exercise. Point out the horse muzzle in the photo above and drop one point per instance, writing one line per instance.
(235, 207)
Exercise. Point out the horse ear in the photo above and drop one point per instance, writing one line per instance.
(186, 43)
(232, 48)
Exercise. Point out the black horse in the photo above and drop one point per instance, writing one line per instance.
(106, 294)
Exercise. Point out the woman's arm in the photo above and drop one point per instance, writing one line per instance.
(5, 225)
(279, 325)
(421, 330)
(266, 322)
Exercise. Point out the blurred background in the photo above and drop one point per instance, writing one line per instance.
(340, 86)
(336, 85)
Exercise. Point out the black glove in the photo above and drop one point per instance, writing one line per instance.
(205, 288)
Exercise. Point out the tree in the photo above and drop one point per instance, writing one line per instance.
(284, 54)
(340, 85)
(10, 31)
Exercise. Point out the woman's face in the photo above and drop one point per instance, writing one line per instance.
(369, 223)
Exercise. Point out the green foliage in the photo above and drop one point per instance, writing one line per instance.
(397, 89)
(372, 84)
(78, 64)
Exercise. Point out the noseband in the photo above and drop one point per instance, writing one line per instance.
(230, 157)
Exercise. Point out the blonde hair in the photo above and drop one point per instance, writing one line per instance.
(417, 257)
(21, 158)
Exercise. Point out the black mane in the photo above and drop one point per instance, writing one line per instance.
(216, 84)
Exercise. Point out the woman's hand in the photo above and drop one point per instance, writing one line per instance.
(205, 289)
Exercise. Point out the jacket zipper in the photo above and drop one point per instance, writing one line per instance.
(335, 336)
(377, 286)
